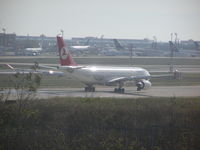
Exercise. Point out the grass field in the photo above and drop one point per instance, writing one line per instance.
(106, 60)
(52, 81)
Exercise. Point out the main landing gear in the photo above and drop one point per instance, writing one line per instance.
(139, 89)
(89, 89)
(120, 89)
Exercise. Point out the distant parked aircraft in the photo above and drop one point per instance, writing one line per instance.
(81, 47)
(33, 51)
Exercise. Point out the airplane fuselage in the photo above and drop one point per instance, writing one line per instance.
(102, 75)
(91, 75)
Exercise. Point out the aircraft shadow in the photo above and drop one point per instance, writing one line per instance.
(133, 94)
(93, 94)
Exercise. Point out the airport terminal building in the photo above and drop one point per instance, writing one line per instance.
(12, 44)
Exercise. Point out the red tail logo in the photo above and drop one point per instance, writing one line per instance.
(65, 57)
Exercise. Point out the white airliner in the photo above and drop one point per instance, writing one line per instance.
(93, 75)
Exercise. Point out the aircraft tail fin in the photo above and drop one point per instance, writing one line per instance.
(65, 57)
(87, 42)
(118, 45)
(196, 45)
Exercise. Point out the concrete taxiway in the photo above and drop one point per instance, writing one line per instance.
(157, 91)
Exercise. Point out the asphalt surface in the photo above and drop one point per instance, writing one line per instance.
(130, 92)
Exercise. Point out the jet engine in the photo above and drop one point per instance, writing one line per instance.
(143, 85)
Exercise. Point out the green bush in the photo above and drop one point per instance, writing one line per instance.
(95, 123)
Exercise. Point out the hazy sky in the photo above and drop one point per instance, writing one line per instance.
(111, 18)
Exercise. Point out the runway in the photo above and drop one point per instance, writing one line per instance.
(107, 92)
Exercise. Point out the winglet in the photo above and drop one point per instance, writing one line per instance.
(9, 66)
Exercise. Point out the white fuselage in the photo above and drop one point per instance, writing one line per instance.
(102, 75)
(80, 47)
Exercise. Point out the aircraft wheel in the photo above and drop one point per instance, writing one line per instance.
(86, 89)
(119, 90)
(89, 89)
(93, 89)
(116, 90)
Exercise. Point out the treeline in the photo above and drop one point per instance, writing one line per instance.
(101, 124)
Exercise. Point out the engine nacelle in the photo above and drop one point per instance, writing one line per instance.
(143, 85)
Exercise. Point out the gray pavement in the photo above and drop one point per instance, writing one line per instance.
(107, 92)
(158, 91)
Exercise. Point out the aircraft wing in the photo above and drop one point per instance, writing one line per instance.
(162, 75)
(53, 70)
(176, 75)
(131, 78)
(70, 68)
(117, 79)
(44, 72)
(27, 71)
(61, 67)
(47, 67)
